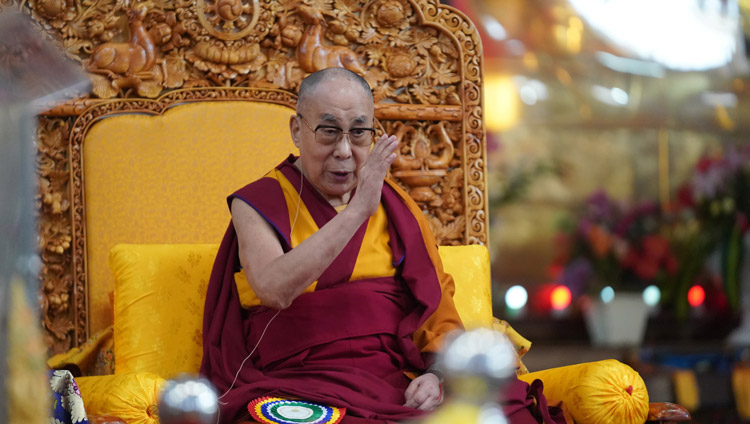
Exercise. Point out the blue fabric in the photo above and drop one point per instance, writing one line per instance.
(67, 404)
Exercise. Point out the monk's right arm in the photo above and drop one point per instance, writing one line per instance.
(276, 277)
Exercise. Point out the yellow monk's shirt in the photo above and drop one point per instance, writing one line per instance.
(375, 258)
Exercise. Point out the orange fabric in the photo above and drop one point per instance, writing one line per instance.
(161, 179)
(430, 336)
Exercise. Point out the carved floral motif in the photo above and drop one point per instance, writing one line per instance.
(55, 232)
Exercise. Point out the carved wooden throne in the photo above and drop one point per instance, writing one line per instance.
(149, 58)
(422, 60)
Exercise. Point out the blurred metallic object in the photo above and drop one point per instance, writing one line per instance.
(476, 365)
(32, 73)
(479, 354)
(188, 400)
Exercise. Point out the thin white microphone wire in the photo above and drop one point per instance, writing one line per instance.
(236, 376)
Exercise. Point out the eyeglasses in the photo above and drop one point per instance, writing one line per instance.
(330, 134)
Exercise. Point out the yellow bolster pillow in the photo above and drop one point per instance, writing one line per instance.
(132, 397)
(604, 392)
(160, 291)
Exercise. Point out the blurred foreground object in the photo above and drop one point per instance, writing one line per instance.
(476, 364)
(188, 400)
(32, 74)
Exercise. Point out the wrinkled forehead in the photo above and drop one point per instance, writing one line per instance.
(340, 98)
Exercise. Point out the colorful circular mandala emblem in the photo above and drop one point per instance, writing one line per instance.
(273, 410)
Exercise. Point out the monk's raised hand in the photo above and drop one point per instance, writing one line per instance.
(372, 174)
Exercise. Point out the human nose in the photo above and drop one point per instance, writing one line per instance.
(343, 147)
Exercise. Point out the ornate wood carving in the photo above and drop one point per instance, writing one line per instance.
(62, 309)
(422, 59)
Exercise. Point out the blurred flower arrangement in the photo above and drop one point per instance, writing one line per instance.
(629, 247)
(712, 212)
(613, 245)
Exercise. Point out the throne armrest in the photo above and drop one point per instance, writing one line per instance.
(667, 413)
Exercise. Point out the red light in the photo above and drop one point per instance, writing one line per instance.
(696, 296)
(554, 271)
(560, 298)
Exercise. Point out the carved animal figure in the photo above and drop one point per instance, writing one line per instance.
(402, 162)
(313, 54)
(444, 146)
(130, 58)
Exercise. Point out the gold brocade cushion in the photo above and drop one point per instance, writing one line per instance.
(160, 292)
(132, 397)
(470, 268)
(604, 392)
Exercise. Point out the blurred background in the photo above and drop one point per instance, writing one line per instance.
(619, 166)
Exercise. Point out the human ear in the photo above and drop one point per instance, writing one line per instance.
(294, 129)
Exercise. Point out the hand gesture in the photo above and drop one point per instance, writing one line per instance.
(424, 392)
(372, 174)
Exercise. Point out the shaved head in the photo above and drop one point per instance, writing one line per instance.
(311, 82)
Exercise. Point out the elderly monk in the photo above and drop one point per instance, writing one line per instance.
(351, 301)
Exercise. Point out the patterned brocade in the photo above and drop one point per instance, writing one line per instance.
(159, 295)
(67, 407)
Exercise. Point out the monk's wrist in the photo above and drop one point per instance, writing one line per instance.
(357, 212)
(436, 372)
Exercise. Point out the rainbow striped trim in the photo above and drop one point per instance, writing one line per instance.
(273, 410)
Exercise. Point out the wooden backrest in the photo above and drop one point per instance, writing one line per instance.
(422, 59)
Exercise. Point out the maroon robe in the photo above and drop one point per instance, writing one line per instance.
(348, 343)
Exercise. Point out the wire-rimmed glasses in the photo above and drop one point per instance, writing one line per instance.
(331, 134)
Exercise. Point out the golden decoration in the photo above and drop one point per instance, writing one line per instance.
(228, 19)
(312, 52)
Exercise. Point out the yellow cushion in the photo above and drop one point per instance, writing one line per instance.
(132, 397)
(160, 289)
(470, 268)
(604, 392)
(159, 297)
(164, 179)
